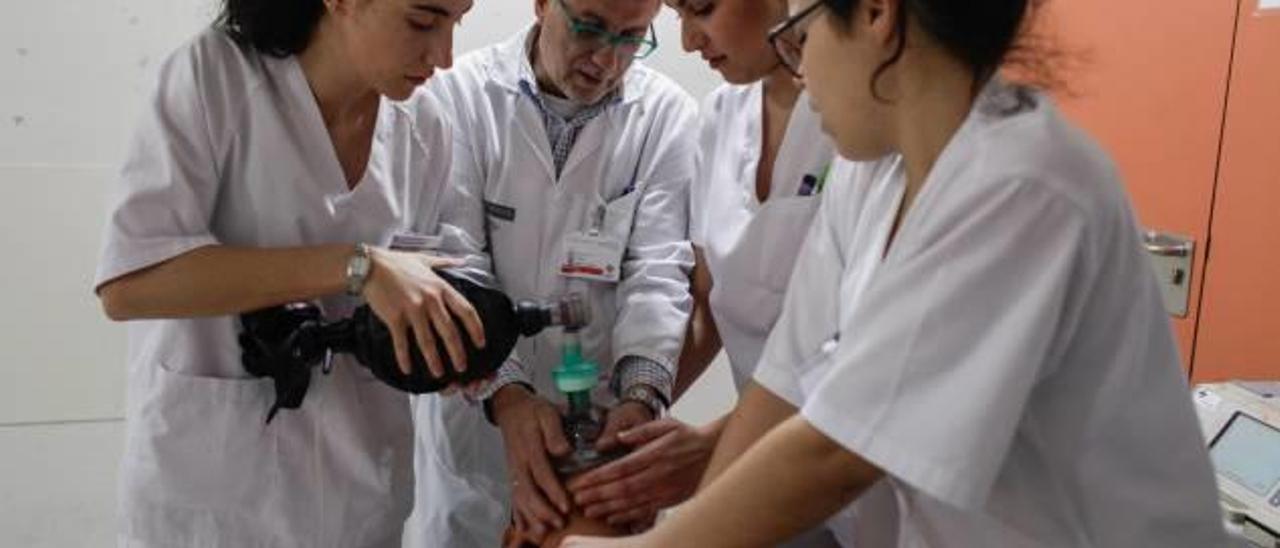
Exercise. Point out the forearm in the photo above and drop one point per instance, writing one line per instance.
(701, 344)
(702, 339)
(806, 475)
(758, 411)
(219, 280)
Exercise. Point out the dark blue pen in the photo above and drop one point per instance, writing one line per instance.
(808, 184)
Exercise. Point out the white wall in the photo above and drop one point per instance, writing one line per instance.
(75, 75)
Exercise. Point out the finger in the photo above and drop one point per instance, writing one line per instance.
(462, 309)
(537, 511)
(517, 520)
(397, 330)
(427, 344)
(445, 262)
(448, 333)
(474, 388)
(553, 433)
(547, 482)
(622, 418)
(646, 483)
(610, 507)
(616, 470)
(609, 436)
(604, 508)
(649, 431)
(536, 532)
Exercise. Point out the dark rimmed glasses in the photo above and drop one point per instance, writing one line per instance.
(787, 38)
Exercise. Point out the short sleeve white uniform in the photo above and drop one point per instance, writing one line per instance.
(750, 246)
(1008, 363)
(232, 150)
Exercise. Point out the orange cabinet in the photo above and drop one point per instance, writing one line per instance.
(1239, 332)
(1186, 98)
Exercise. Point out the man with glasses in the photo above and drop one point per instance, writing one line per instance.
(571, 170)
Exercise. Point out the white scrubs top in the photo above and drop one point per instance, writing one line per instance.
(1009, 363)
(232, 150)
(750, 247)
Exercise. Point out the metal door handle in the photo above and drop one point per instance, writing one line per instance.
(1171, 255)
(1163, 245)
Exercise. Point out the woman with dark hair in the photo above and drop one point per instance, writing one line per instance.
(972, 319)
(282, 154)
(762, 164)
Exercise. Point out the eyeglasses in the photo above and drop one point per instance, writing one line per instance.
(787, 38)
(596, 37)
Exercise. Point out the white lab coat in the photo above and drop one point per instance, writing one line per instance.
(1008, 364)
(749, 246)
(510, 204)
(232, 150)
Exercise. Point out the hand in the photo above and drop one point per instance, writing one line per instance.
(531, 430)
(470, 390)
(663, 470)
(624, 416)
(405, 293)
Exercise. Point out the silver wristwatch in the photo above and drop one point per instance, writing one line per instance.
(358, 267)
(647, 395)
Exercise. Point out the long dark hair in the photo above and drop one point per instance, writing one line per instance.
(275, 27)
(984, 34)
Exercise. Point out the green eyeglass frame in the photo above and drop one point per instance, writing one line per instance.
(597, 37)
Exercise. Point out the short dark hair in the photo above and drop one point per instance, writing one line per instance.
(275, 27)
(983, 34)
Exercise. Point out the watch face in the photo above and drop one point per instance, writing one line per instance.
(357, 270)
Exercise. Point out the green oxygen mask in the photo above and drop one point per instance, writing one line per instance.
(576, 378)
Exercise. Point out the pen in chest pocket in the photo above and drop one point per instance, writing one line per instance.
(811, 185)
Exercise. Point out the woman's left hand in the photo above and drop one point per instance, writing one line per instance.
(664, 468)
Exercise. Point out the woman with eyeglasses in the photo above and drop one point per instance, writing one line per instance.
(763, 163)
(972, 320)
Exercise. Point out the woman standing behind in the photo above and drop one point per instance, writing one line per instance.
(272, 166)
(762, 164)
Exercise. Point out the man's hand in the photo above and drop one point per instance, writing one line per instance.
(623, 417)
(668, 460)
(531, 430)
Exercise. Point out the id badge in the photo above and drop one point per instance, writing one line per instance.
(593, 257)
(408, 241)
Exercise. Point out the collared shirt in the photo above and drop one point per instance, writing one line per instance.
(562, 131)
